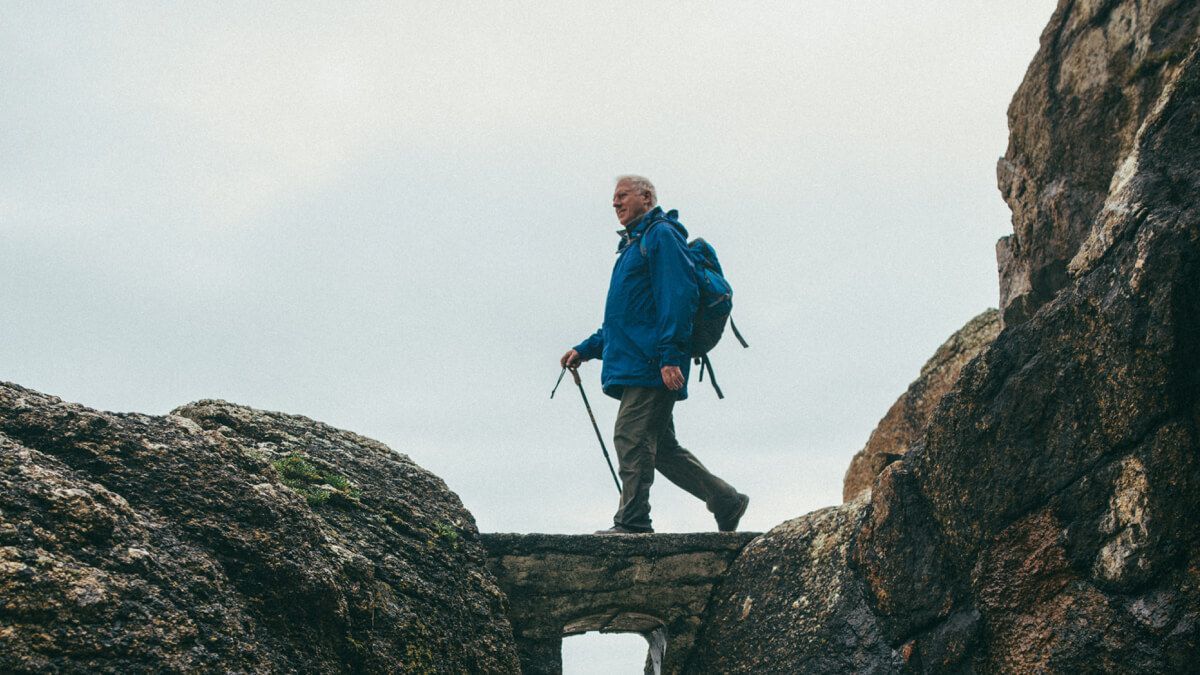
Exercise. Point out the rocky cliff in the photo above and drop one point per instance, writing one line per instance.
(220, 538)
(1076, 123)
(904, 424)
(1045, 521)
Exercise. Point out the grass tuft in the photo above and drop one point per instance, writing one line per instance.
(316, 486)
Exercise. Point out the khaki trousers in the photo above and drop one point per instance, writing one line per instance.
(645, 440)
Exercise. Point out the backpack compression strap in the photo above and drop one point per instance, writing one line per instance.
(737, 334)
(703, 362)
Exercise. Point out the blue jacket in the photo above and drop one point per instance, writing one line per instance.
(652, 299)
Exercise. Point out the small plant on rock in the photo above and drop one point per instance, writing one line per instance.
(444, 533)
(316, 486)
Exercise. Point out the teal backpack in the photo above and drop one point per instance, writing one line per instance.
(716, 303)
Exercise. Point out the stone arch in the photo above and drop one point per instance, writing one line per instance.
(656, 585)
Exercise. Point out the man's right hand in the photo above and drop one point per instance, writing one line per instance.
(570, 360)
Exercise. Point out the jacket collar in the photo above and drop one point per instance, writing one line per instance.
(637, 229)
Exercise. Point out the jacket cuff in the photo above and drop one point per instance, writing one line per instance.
(670, 356)
(586, 351)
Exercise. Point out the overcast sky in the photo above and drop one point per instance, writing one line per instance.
(395, 217)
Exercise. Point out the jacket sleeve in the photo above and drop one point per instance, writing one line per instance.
(676, 294)
(593, 347)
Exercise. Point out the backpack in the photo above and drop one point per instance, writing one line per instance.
(716, 302)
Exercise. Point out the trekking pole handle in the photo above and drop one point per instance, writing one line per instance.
(575, 374)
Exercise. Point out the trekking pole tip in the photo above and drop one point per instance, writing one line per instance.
(559, 381)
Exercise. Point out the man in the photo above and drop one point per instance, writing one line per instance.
(643, 342)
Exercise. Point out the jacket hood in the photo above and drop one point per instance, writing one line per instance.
(671, 217)
(651, 217)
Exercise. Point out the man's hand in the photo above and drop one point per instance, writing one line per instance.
(570, 360)
(672, 377)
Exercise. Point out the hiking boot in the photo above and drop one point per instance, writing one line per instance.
(728, 520)
(621, 529)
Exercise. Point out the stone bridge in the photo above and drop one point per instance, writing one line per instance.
(656, 585)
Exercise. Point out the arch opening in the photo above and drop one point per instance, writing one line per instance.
(652, 629)
(596, 653)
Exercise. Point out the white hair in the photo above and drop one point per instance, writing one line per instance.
(641, 183)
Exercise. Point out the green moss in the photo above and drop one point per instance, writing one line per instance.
(360, 650)
(447, 530)
(443, 533)
(316, 486)
(418, 659)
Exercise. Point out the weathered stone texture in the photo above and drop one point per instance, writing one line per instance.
(792, 603)
(131, 543)
(905, 421)
(657, 585)
(1045, 519)
(1102, 67)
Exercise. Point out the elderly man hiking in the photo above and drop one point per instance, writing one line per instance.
(643, 341)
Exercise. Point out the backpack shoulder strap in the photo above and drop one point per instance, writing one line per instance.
(642, 237)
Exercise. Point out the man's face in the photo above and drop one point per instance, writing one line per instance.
(630, 202)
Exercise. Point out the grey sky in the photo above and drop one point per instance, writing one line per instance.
(395, 218)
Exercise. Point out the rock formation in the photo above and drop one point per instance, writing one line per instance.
(1045, 521)
(220, 538)
(905, 421)
(1040, 515)
(792, 603)
(656, 585)
(1076, 118)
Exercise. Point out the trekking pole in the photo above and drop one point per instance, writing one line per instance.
(558, 381)
(599, 437)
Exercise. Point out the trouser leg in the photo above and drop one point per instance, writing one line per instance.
(683, 469)
(643, 416)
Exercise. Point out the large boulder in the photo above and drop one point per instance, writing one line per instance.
(793, 603)
(1045, 520)
(220, 538)
(904, 424)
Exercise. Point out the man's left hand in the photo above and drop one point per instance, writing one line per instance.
(672, 377)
